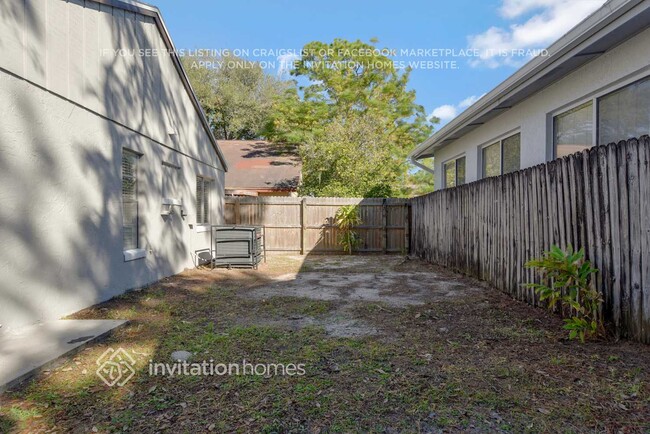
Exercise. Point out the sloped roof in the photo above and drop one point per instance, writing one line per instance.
(615, 22)
(154, 12)
(258, 164)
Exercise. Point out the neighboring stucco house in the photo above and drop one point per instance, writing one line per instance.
(108, 170)
(592, 88)
(260, 168)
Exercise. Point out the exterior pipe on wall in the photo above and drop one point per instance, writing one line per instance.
(421, 166)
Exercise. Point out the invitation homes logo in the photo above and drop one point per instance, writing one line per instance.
(117, 367)
(208, 368)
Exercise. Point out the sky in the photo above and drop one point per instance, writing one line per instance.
(458, 49)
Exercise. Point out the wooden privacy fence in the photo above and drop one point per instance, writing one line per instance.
(304, 225)
(598, 200)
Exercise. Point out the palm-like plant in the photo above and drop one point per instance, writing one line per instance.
(346, 218)
(567, 282)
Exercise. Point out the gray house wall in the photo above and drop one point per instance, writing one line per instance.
(533, 117)
(68, 108)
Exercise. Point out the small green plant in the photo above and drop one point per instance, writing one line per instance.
(346, 218)
(567, 286)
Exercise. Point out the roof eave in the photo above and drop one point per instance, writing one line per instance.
(559, 52)
(154, 12)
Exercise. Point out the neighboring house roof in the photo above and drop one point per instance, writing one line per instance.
(612, 24)
(154, 12)
(260, 165)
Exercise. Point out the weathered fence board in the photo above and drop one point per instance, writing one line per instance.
(304, 225)
(598, 200)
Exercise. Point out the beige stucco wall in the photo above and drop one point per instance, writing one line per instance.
(533, 116)
(66, 113)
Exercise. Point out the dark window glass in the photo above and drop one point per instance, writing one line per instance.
(460, 171)
(492, 160)
(455, 172)
(129, 199)
(624, 114)
(511, 153)
(450, 174)
(573, 130)
(202, 200)
(501, 157)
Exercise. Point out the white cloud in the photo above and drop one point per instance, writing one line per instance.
(445, 113)
(448, 111)
(514, 8)
(551, 20)
(468, 101)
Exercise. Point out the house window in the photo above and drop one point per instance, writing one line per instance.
(502, 156)
(511, 153)
(492, 160)
(130, 218)
(573, 130)
(622, 115)
(202, 200)
(454, 172)
(625, 113)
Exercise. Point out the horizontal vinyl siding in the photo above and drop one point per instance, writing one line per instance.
(66, 47)
(61, 210)
(67, 115)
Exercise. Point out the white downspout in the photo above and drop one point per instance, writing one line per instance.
(421, 166)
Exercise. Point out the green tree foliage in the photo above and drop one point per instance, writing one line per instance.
(356, 120)
(236, 95)
(351, 158)
(418, 181)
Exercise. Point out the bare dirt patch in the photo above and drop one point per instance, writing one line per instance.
(388, 345)
(349, 284)
(393, 288)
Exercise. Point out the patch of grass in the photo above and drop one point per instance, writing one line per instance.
(22, 414)
(290, 306)
(6, 424)
(480, 362)
(16, 416)
(558, 360)
(518, 331)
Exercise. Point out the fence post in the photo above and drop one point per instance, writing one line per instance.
(407, 227)
(384, 226)
(237, 211)
(595, 200)
(303, 211)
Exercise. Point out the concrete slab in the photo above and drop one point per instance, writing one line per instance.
(25, 351)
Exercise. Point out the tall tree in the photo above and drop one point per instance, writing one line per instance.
(350, 158)
(350, 84)
(418, 181)
(236, 94)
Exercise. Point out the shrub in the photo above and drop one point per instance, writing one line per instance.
(346, 218)
(567, 286)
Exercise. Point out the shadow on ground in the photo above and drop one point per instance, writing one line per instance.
(388, 345)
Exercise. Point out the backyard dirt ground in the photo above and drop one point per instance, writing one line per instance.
(389, 344)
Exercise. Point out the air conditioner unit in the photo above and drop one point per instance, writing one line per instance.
(168, 205)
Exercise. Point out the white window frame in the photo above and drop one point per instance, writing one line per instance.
(498, 140)
(645, 77)
(455, 161)
(206, 180)
(138, 252)
(575, 105)
(594, 120)
(593, 97)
